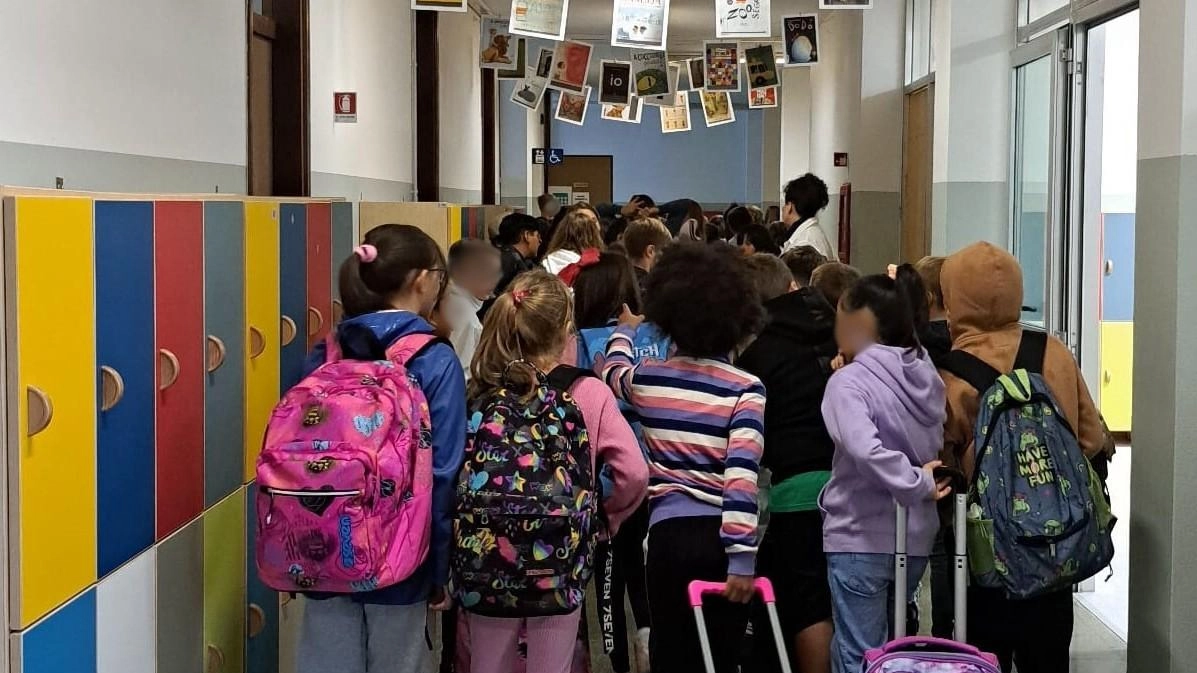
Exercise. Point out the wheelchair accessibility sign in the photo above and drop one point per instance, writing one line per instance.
(552, 156)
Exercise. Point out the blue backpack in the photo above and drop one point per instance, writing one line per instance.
(1037, 518)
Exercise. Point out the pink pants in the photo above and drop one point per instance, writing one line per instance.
(551, 642)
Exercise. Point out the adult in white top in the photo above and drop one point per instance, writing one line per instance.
(805, 198)
(578, 231)
(474, 270)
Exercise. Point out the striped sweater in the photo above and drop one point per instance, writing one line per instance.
(702, 421)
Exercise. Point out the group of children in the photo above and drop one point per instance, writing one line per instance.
(710, 363)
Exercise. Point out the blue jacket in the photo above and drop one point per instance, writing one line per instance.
(439, 373)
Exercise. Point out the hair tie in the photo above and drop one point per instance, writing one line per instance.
(367, 253)
(518, 296)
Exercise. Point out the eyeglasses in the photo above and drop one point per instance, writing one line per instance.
(444, 275)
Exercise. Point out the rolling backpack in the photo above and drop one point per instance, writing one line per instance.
(344, 480)
(1037, 518)
(527, 503)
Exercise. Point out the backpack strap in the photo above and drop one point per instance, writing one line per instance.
(563, 377)
(411, 346)
(1032, 351)
(971, 369)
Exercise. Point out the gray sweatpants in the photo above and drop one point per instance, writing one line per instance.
(342, 636)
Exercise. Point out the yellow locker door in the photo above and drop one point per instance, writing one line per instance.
(1117, 370)
(49, 247)
(262, 319)
(224, 585)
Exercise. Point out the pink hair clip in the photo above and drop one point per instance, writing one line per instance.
(519, 296)
(367, 253)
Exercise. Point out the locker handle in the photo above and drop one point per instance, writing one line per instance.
(112, 388)
(257, 620)
(1106, 377)
(315, 321)
(1109, 267)
(216, 353)
(257, 342)
(289, 330)
(215, 663)
(41, 410)
(338, 311)
(168, 369)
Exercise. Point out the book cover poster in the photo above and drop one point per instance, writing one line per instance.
(571, 62)
(670, 99)
(845, 4)
(498, 45)
(539, 18)
(571, 107)
(529, 91)
(650, 73)
(717, 108)
(676, 119)
(624, 113)
(520, 67)
(762, 98)
(640, 24)
(440, 5)
(615, 82)
(801, 39)
(742, 18)
(761, 64)
(722, 66)
(695, 69)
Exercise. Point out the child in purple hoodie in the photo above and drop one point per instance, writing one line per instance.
(885, 411)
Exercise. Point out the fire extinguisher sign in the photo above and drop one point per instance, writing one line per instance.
(345, 107)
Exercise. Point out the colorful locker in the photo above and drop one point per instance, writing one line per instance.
(124, 264)
(293, 303)
(224, 585)
(125, 616)
(262, 611)
(180, 600)
(179, 274)
(320, 265)
(262, 325)
(65, 641)
(224, 316)
(343, 241)
(51, 326)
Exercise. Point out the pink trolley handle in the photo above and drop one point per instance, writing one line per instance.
(764, 587)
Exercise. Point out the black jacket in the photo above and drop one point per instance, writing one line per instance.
(936, 338)
(513, 265)
(792, 357)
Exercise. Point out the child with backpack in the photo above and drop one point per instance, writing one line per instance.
(884, 410)
(702, 423)
(528, 498)
(368, 623)
(1020, 600)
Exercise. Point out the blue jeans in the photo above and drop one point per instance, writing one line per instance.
(862, 603)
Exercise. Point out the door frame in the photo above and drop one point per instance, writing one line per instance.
(925, 84)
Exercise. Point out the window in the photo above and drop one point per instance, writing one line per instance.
(1037, 9)
(920, 59)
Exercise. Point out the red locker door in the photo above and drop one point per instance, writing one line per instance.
(319, 270)
(179, 300)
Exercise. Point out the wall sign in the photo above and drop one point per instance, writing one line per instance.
(345, 107)
(551, 156)
(841, 159)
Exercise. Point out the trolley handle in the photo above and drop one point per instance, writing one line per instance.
(699, 588)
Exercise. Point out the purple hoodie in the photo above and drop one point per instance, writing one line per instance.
(885, 412)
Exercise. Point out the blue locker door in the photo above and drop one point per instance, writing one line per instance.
(293, 291)
(262, 618)
(1118, 286)
(224, 322)
(342, 247)
(124, 263)
(65, 641)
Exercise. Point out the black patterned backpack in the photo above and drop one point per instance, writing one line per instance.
(527, 503)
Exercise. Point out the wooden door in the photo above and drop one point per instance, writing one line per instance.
(224, 316)
(262, 610)
(343, 242)
(179, 600)
(917, 144)
(261, 105)
(52, 320)
(595, 172)
(126, 607)
(262, 325)
(224, 585)
(293, 302)
(63, 641)
(124, 259)
(319, 270)
(179, 271)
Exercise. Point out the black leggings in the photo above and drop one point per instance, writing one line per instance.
(627, 578)
(1033, 634)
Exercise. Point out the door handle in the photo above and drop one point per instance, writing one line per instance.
(315, 321)
(112, 388)
(257, 342)
(168, 369)
(1106, 377)
(289, 330)
(256, 618)
(216, 353)
(41, 410)
(1109, 267)
(215, 662)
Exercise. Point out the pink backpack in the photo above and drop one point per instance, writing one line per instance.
(344, 485)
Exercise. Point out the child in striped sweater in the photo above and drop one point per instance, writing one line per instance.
(702, 420)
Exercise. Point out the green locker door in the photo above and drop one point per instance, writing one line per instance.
(224, 585)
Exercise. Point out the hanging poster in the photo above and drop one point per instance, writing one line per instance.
(845, 4)
(650, 73)
(529, 91)
(571, 62)
(761, 64)
(670, 99)
(742, 18)
(676, 119)
(722, 66)
(640, 24)
(717, 108)
(571, 107)
(762, 98)
(498, 45)
(624, 113)
(801, 39)
(440, 5)
(695, 71)
(520, 66)
(615, 82)
(544, 63)
(539, 18)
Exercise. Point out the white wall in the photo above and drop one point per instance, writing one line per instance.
(835, 101)
(460, 107)
(363, 46)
